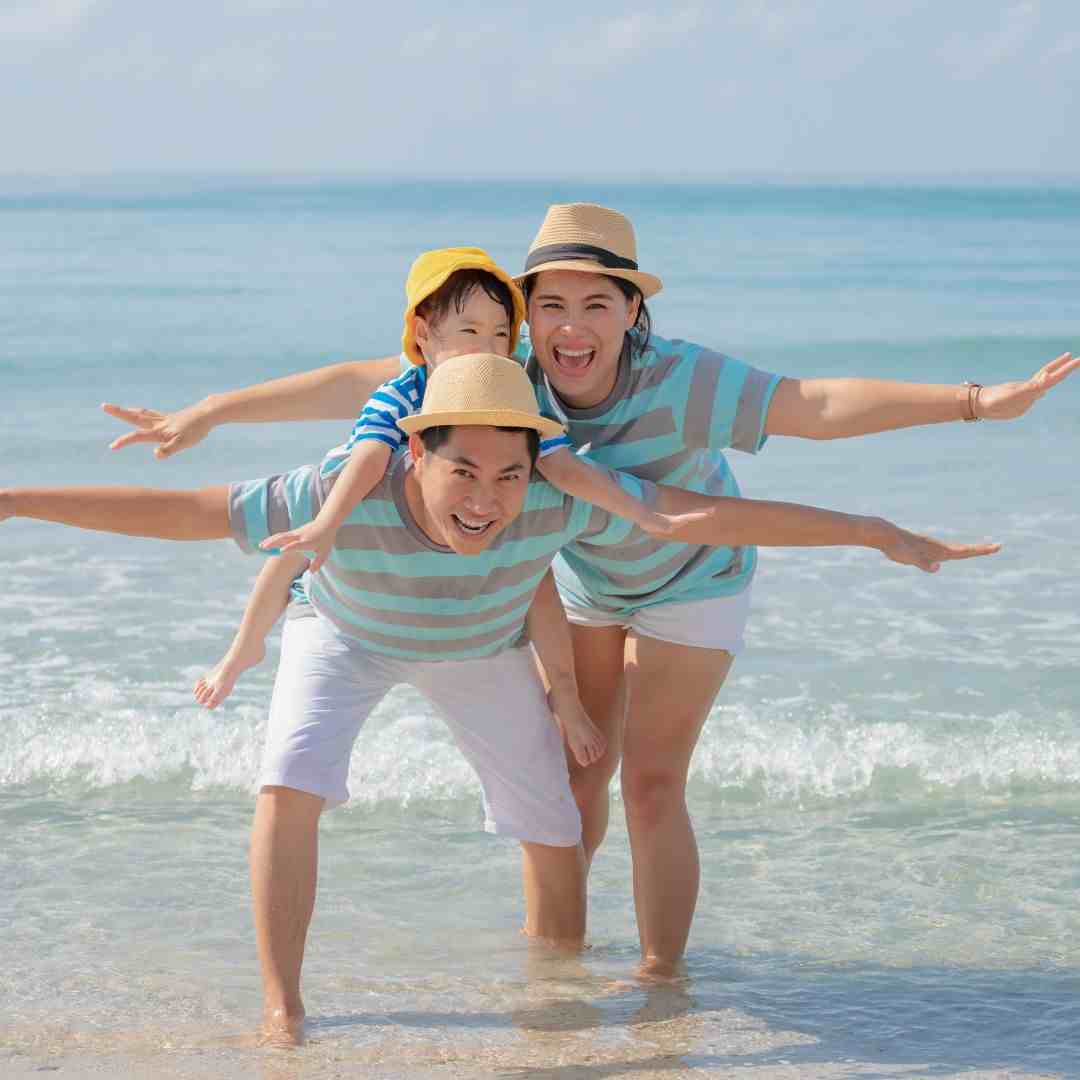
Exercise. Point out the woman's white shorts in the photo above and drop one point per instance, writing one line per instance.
(716, 623)
(495, 708)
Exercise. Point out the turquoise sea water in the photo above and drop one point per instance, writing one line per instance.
(887, 794)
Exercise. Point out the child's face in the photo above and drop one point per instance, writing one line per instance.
(480, 327)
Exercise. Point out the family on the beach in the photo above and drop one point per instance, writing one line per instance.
(566, 490)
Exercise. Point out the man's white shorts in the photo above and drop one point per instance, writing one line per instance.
(716, 623)
(495, 708)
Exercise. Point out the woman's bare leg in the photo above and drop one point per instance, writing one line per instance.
(670, 689)
(598, 660)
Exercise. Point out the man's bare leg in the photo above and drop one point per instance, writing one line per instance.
(554, 882)
(284, 869)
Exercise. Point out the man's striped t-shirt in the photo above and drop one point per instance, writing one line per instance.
(394, 590)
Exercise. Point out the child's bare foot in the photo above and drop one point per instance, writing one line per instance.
(217, 684)
(586, 740)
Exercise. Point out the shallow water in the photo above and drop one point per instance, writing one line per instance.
(886, 794)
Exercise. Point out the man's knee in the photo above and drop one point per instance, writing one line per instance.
(289, 806)
(652, 794)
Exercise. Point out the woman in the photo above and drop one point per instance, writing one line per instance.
(655, 641)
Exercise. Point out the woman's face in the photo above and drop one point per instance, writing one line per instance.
(577, 323)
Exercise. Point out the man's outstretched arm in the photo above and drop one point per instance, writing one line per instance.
(133, 511)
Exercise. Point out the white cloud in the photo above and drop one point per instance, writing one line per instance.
(602, 44)
(139, 60)
(42, 18)
(242, 67)
(970, 55)
(775, 19)
(420, 42)
(1065, 46)
(423, 42)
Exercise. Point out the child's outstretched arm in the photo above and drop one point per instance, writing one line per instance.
(576, 476)
(327, 393)
(720, 520)
(268, 600)
(364, 469)
(549, 632)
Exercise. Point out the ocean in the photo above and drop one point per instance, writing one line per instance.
(887, 793)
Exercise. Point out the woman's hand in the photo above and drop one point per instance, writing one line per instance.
(172, 431)
(913, 549)
(1007, 401)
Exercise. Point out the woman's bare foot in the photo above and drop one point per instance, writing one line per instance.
(217, 684)
(282, 1029)
(585, 739)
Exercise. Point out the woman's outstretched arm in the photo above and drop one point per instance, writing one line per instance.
(840, 408)
(336, 392)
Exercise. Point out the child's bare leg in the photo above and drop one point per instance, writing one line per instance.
(268, 600)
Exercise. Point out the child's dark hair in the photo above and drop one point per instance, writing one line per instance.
(434, 437)
(641, 331)
(455, 292)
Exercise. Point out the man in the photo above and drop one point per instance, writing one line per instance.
(429, 583)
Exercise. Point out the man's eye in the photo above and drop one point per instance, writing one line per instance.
(463, 472)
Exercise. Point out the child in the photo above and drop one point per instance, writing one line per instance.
(459, 301)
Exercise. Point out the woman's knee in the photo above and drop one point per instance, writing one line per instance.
(590, 784)
(651, 794)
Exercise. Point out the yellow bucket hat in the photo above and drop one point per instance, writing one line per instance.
(432, 269)
(480, 389)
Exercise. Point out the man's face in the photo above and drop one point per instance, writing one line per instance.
(481, 326)
(472, 486)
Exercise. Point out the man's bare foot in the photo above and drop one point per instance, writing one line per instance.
(282, 1029)
(585, 739)
(217, 684)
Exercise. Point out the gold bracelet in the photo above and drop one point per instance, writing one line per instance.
(973, 389)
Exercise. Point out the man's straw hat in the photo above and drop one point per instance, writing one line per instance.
(480, 389)
(584, 236)
(432, 269)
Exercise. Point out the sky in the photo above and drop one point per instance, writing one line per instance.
(681, 91)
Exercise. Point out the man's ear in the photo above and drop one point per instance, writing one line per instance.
(417, 448)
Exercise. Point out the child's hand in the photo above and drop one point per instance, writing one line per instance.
(585, 739)
(171, 431)
(313, 540)
(668, 526)
(912, 549)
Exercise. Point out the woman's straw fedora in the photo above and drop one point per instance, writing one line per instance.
(480, 388)
(591, 238)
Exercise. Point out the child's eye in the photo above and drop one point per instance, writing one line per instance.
(550, 305)
(468, 330)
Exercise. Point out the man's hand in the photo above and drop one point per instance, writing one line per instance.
(313, 540)
(172, 431)
(913, 549)
(1006, 401)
